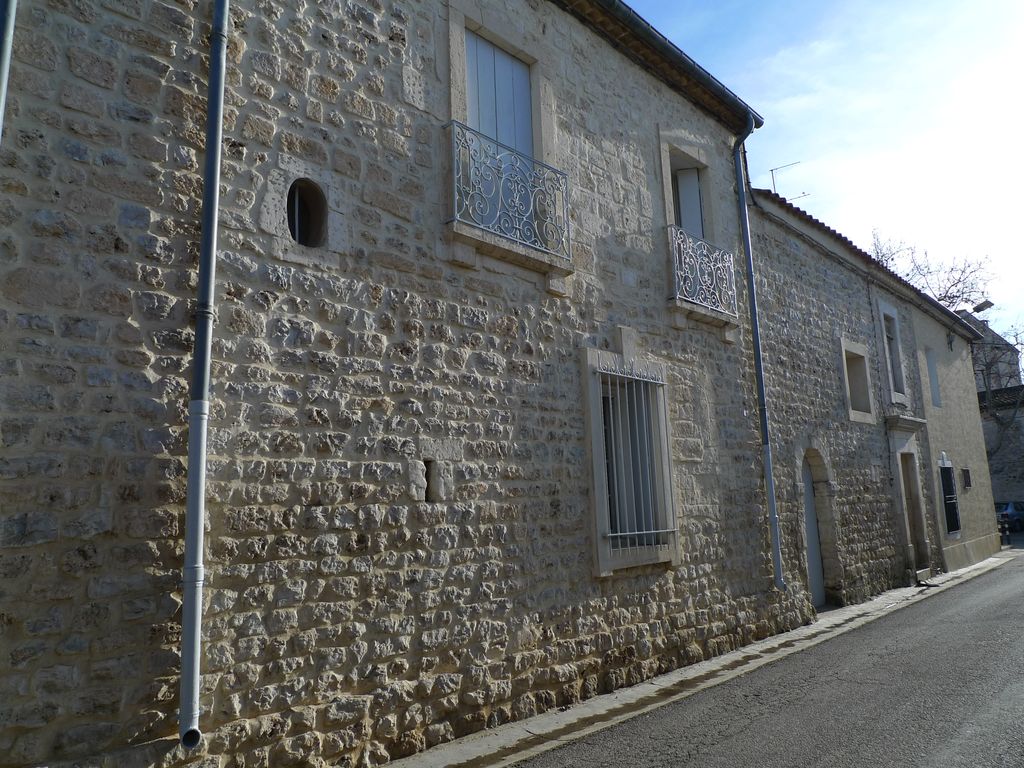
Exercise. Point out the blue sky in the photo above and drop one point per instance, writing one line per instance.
(902, 116)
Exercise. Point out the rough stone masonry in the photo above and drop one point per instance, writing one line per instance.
(399, 506)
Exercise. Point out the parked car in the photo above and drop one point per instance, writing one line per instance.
(1012, 512)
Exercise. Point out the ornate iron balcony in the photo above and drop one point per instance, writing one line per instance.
(704, 274)
(505, 192)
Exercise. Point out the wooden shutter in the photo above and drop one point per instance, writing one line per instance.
(498, 91)
(690, 214)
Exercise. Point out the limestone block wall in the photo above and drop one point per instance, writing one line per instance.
(350, 618)
(803, 323)
(868, 536)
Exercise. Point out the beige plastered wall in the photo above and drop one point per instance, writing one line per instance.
(955, 428)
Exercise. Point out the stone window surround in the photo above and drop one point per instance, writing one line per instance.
(677, 142)
(815, 451)
(903, 431)
(467, 242)
(273, 215)
(888, 310)
(607, 562)
(431, 475)
(864, 417)
(463, 15)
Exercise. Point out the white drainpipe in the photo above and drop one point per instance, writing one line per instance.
(8, 11)
(762, 401)
(199, 406)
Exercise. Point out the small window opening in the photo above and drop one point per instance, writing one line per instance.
(966, 474)
(307, 213)
(857, 382)
(431, 476)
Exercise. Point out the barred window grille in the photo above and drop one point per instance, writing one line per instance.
(635, 462)
(950, 503)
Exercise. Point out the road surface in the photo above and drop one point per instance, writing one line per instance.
(939, 684)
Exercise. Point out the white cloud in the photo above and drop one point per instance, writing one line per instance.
(907, 126)
(903, 116)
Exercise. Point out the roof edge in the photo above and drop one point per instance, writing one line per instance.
(956, 322)
(615, 20)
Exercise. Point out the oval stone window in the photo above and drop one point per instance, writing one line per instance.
(307, 213)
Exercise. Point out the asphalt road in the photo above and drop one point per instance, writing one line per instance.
(939, 684)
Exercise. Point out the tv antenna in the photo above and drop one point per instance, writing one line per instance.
(779, 168)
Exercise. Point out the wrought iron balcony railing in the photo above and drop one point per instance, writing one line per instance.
(505, 192)
(704, 274)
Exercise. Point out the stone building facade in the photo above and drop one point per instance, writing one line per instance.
(1002, 419)
(996, 359)
(878, 465)
(956, 445)
(411, 408)
(1001, 399)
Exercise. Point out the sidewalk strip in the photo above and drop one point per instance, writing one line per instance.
(520, 740)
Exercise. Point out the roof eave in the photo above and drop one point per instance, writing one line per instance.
(955, 321)
(633, 36)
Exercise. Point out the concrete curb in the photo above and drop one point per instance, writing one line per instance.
(517, 741)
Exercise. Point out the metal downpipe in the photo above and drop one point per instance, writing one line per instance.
(199, 406)
(10, 10)
(762, 401)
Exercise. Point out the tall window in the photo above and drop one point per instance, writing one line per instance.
(947, 477)
(686, 200)
(933, 377)
(498, 90)
(500, 186)
(857, 380)
(627, 422)
(892, 348)
(634, 499)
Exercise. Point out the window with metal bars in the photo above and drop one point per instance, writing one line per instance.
(949, 500)
(635, 521)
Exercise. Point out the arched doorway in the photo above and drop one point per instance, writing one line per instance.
(812, 540)
(824, 571)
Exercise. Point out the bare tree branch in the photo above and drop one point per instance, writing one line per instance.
(997, 371)
(958, 283)
(962, 283)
